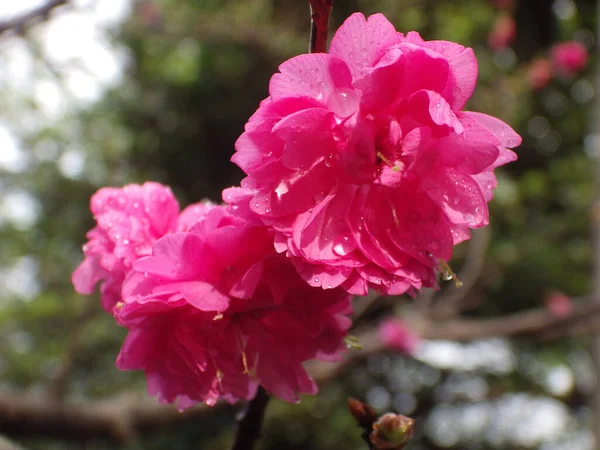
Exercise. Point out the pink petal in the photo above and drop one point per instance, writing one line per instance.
(505, 134)
(459, 197)
(361, 41)
(313, 76)
(307, 136)
(463, 71)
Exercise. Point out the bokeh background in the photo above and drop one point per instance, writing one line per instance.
(110, 92)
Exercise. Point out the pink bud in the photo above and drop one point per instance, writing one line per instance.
(396, 335)
(503, 32)
(539, 73)
(559, 304)
(568, 58)
(392, 431)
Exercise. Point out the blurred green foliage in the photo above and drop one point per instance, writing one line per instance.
(195, 72)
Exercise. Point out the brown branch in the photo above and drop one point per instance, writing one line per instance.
(20, 23)
(452, 299)
(320, 11)
(122, 417)
(118, 419)
(217, 28)
(250, 424)
(5, 444)
(60, 381)
(536, 322)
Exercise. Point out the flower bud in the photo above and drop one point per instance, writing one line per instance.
(392, 431)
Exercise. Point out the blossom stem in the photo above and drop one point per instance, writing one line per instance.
(320, 10)
(250, 423)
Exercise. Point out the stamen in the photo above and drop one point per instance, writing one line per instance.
(388, 162)
(395, 214)
(219, 372)
(245, 363)
(218, 317)
(244, 356)
(385, 160)
(448, 274)
(352, 342)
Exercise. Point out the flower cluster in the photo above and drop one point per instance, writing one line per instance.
(129, 221)
(362, 172)
(363, 162)
(212, 309)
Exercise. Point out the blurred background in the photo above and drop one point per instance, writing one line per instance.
(110, 92)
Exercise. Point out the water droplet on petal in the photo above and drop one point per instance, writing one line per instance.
(344, 245)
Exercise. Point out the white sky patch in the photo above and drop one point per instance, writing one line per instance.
(12, 158)
(75, 43)
(72, 163)
(492, 355)
(19, 208)
(50, 98)
(21, 279)
(10, 8)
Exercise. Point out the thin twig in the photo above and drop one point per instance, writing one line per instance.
(451, 300)
(21, 22)
(320, 11)
(59, 383)
(5, 444)
(122, 417)
(250, 424)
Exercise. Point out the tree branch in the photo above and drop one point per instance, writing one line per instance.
(124, 416)
(21, 22)
(320, 11)
(60, 381)
(250, 424)
(452, 299)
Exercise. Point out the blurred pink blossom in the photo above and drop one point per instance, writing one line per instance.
(539, 73)
(396, 335)
(503, 32)
(215, 311)
(129, 220)
(569, 58)
(559, 304)
(363, 162)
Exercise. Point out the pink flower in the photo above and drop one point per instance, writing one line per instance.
(396, 335)
(559, 304)
(503, 33)
(363, 162)
(539, 73)
(568, 58)
(129, 221)
(215, 311)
